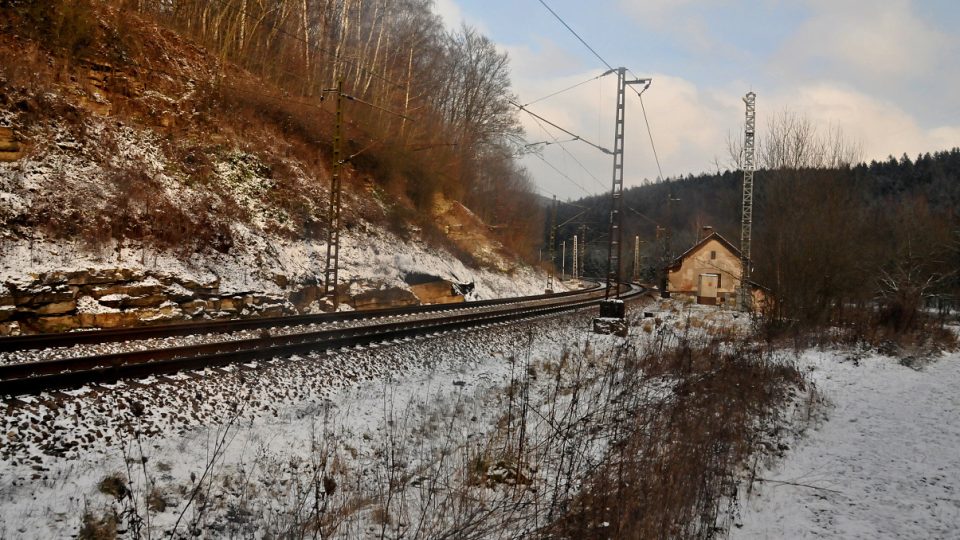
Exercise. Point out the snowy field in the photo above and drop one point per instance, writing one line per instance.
(885, 463)
(248, 442)
(249, 451)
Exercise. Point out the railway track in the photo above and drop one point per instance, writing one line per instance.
(45, 341)
(36, 377)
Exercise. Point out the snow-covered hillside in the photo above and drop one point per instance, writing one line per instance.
(205, 190)
(229, 240)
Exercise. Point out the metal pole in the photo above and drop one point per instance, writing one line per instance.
(667, 249)
(552, 246)
(576, 263)
(583, 250)
(746, 223)
(563, 260)
(333, 213)
(636, 258)
(616, 192)
(615, 245)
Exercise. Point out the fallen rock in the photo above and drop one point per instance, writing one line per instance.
(436, 292)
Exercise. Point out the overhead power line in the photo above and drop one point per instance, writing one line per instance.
(567, 152)
(564, 175)
(643, 107)
(585, 44)
(568, 132)
(656, 157)
(567, 89)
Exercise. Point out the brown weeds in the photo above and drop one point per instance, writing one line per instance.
(672, 467)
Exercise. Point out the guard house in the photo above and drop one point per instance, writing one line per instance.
(708, 272)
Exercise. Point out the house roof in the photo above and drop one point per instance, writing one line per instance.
(712, 236)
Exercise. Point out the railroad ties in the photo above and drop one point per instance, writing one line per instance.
(60, 374)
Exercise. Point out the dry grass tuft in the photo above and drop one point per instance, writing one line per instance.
(114, 485)
(102, 528)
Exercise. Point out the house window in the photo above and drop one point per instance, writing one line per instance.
(713, 255)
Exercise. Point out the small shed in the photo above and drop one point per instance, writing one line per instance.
(708, 272)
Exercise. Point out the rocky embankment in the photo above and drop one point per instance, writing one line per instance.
(119, 297)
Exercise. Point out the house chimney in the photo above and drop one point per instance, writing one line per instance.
(706, 230)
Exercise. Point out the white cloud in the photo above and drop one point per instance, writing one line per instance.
(684, 18)
(454, 17)
(655, 12)
(881, 127)
(691, 125)
(450, 12)
(877, 41)
(880, 71)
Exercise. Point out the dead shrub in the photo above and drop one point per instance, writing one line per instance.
(380, 516)
(102, 528)
(114, 485)
(672, 469)
(155, 501)
(867, 327)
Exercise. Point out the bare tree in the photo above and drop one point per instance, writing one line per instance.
(793, 141)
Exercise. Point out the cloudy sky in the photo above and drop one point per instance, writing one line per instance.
(886, 72)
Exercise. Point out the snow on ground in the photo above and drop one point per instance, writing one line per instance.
(420, 414)
(885, 464)
(57, 451)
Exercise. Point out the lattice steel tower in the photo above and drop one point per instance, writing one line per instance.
(553, 247)
(576, 260)
(333, 212)
(615, 245)
(746, 223)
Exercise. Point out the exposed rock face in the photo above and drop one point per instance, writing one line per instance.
(437, 292)
(434, 290)
(384, 298)
(471, 234)
(119, 297)
(10, 149)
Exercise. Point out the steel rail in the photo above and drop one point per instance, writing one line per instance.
(37, 377)
(68, 339)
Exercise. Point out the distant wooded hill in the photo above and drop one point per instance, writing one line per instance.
(853, 232)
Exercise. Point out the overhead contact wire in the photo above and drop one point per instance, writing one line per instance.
(568, 132)
(557, 93)
(568, 153)
(649, 131)
(585, 44)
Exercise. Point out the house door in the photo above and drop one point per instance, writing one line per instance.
(707, 294)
